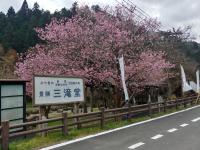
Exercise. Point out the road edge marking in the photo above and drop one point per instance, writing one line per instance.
(117, 129)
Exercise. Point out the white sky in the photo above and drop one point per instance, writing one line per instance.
(51, 5)
(171, 13)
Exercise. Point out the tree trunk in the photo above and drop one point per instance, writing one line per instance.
(169, 89)
(116, 98)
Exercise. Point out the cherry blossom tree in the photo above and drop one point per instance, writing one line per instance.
(150, 69)
(89, 45)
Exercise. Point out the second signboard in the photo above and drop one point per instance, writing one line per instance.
(50, 90)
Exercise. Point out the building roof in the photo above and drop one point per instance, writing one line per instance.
(13, 80)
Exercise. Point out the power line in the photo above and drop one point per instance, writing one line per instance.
(137, 11)
(143, 12)
(130, 10)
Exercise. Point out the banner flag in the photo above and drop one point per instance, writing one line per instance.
(193, 86)
(197, 76)
(121, 64)
(185, 86)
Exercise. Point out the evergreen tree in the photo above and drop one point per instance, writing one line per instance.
(8, 36)
(57, 14)
(11, 12)
(24, 12)
(2, 25)
(36, 6)
(35, 16)
(36, 10)
(24, 8)
(45, 18)
(2, 21)
(96, 8)
(65, 13)
(74, 8)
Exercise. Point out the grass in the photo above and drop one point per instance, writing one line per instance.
(53, 137)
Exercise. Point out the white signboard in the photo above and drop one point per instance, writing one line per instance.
(58, 90)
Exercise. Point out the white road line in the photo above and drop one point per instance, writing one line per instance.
(172, 130)
(156, 137)
(136, 145)
(113, 130)
(196, 119)
(184, 125)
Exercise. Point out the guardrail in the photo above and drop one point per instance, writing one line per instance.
(88, 119)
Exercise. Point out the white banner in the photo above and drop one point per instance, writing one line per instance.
(121, 63)
(185, 86)
(197, 76)
(193, 86)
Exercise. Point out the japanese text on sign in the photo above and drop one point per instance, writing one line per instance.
(55, 90)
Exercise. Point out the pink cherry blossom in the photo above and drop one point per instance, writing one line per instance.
(89, 45)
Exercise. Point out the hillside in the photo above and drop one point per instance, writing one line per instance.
(191, 50)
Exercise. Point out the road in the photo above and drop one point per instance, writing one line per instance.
(180, 131)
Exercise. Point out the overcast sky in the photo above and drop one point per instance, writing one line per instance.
(171, 13)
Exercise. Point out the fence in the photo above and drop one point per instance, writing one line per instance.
(88, 119)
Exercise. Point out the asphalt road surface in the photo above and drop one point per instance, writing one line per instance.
(180, 131)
